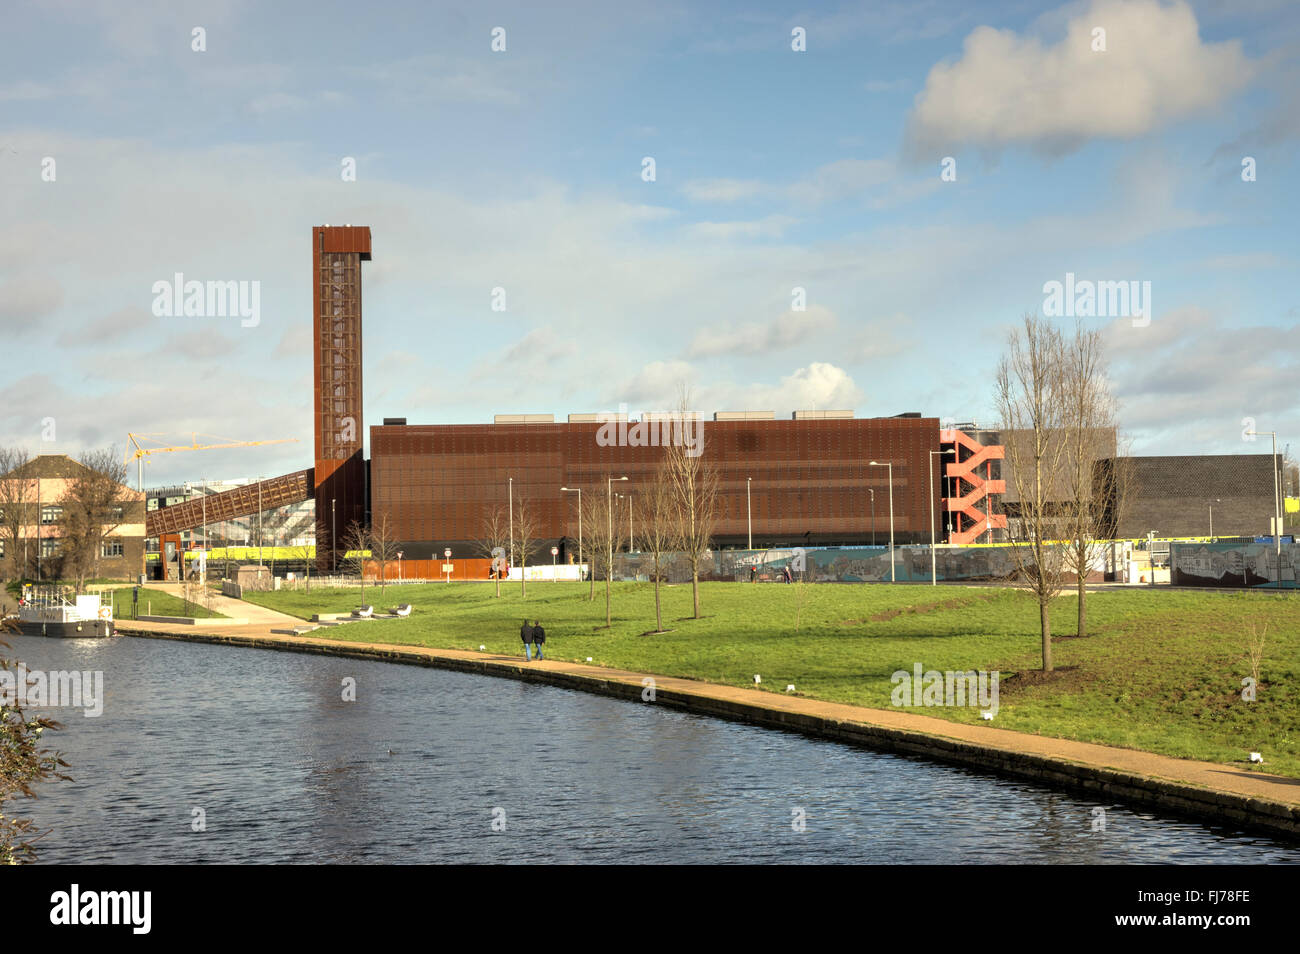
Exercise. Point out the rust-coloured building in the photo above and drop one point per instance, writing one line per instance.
(810, 479)
(340, 474)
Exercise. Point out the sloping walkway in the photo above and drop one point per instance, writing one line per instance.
(1225, 793)
(257, 616)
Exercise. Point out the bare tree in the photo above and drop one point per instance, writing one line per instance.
(604, 539)
(383, 547)
(17, 498)
(356, 550)
(654, 512)
(494, 538)
(694, 481)
(1093, 495)
(306, 552)
(593, 516)
(1033, 405)
(526, 530)
(94, 505)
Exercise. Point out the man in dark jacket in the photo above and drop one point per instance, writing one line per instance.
(526, 634)
(539, 637)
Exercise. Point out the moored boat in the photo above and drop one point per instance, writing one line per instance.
(48, 612)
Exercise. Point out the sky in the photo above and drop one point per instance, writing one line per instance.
(780, 206)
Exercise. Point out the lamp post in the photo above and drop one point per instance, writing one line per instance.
(334, 539)
(934, 576)
(554, 552)
(399, 566)
(629, 524)
(1277, 509)
(511, 561)
(1216, 500)
(890, 465)
(609, 567)
(578, 491)
(872, 491)
(749, 514)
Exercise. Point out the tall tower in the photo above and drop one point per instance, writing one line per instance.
(336, 255)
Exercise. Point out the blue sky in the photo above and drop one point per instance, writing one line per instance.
(522, 169)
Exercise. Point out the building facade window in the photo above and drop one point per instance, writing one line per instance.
(49, 546)
(112, 548)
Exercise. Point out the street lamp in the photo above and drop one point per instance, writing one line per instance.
(1277, 508)
(1216, 500)
(749, 514)
(399, 566)
(934, 576)
(890, 465)
(334, 539)
(578, 491)
(609, 510)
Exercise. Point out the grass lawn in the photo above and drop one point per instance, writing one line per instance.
(158, 603)
(1160, 671)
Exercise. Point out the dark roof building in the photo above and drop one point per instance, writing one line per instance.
(1179, 496)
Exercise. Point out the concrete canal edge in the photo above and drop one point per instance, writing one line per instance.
(1276, 818)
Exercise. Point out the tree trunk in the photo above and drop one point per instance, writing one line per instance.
(695, 589)
(1083, 612)
(659, 616)
(1045, 620)
(608, 573)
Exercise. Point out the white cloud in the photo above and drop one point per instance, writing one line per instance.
(1008, 89)
(760, 338)
(722, 190)
(29, 300)
(772, 226)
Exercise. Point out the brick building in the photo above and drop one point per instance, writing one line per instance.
(809, 478)
(34, 521)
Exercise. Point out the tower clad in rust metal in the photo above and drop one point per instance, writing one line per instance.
(340, 476)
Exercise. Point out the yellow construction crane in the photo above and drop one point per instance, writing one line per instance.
(139, 454)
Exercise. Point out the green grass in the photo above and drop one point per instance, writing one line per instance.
(1160, 670)
(158, 603)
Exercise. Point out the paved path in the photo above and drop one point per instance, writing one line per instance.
(258, 616)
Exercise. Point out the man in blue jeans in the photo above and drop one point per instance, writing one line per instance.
(539, 637)
(526, 634)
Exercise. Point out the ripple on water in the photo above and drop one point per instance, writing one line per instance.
(286, 772)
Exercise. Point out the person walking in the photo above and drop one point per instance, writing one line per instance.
(753, 573)
(539, 637)
(526, 634)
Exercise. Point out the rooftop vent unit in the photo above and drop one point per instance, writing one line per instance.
(523, 419)
(597, 418)
(394, 421)
(822, 415)
(744, 415)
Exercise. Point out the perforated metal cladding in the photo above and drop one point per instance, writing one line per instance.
(809, 477)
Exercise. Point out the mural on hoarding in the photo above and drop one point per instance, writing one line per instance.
(833, 565)
(1233, 564)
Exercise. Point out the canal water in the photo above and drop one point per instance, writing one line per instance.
(425, 765)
